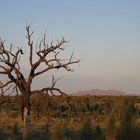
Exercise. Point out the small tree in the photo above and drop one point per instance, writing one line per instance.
(47, 55)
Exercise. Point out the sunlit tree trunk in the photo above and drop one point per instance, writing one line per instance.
(26, 114)
(26, 123)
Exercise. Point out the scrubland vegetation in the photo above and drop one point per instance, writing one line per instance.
(72, 118)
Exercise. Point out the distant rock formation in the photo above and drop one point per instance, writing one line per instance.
(99, 92)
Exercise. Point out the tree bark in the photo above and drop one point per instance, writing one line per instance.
(26, 113)
(26, 123)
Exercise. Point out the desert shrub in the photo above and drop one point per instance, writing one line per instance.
(111, 128)
(86, 131)
(136, 132)
(74, 109)
(40, 106)
(58, 132)
(98, 134)
(15, 129)
(127, 131)
(40, 134)
(15, 133)
(2, 136)
(89, 132)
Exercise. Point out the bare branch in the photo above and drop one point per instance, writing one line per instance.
(30, 44)
(4, 70)
(6, 84)
(1, 84)
(51, 89)
(44, 51)
(7, 89)
(3, 90)
(54, 81)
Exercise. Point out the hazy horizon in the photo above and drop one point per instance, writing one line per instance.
(104, 35)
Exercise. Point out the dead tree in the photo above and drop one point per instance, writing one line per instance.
(47, 54)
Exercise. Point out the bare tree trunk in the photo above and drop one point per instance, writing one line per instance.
(26, 123)
(26, 114)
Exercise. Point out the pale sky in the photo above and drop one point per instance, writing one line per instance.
(104, 34)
